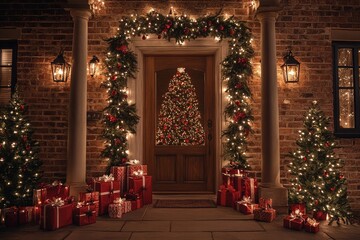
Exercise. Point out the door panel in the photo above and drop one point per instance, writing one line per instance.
(179, 168)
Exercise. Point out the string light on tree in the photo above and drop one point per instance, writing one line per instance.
(316, 177)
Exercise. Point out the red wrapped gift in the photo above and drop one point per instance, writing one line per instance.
(250, 188)
(39, 196)
(37, 214)
(56, 215)
(57, 190)
(232, 196)
(311, 225)
(226, 179)
(84, 214)
(295, 222)
(143, 186)
(11, 217)
(126, 207)
(264, 215)
(88, 197)
(22, 216)
(265, 203)
(245, 206)
(298, 206)
(221, 196)
(109, 190)
(115, 210)
(319, 215)
(119, 173)
(236, 182)
(136, 204)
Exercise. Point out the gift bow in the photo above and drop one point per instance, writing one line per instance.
(312, 222)
(57, 202)
(138, 173)
(56, 183)
(134, 161)
(106, 178)
(80, 204)
(118, 201)
(246, 200)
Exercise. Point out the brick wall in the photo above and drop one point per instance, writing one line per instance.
(302, 24)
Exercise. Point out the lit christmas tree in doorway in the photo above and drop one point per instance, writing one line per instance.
(317, 179)
(179, 121)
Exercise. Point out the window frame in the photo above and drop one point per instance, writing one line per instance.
(11, 44)
(338, 131)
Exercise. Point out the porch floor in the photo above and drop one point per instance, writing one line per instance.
(174, 224)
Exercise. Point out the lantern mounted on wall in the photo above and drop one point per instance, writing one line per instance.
(60, 68)
(93, 65)
(290, 68)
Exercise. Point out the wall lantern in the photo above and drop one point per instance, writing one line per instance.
(290, 68)
(60, 68)
(93, 66)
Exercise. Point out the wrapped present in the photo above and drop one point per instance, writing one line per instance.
(264, 215)
(108, 189)
(319, 215)
(56, 215)
(265, 203)
(88, 197)
(57, 190)
(37, 214)
(226, 179)
(250, 188)
(116, 209)
(11, 217)
(245, 206)
(143, 186)
(136, 204)
(136, 170)
(119, 173)
(311, 225)
(221, 196)
(294, 221)
(39, 196)
(236, 182)
(232, 196)
(298, 206)
(125, 204)
(84, 214)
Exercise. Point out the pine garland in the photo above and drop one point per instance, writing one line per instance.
(120, 117)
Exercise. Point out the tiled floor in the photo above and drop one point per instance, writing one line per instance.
(180, 224)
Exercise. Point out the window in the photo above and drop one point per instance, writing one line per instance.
(346, 64)
(8, 55)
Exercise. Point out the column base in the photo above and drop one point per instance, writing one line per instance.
(76, 188)
(279, 196)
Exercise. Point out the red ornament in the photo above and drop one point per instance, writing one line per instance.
(326, 174)
(187, 140)
(124, 160)
(165, 127)
(169, 136)
(316, 202)
(117, 141)
(186, 31)
(113, 77)
(239, 115)
(332, 189)
(113, 92)
(122, 48)
(28, 147)
(143, 37)
(167, 26)
(22, 107)
(327, 144)
(239, 85)
(24, 138)
(204, 29)
(237, 102)
(231, 32)
(221, 28)
(119, 65)
(304, 158)
(341, 176)
(112, 118)
(242, 60)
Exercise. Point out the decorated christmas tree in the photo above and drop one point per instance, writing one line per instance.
(317, 180)
(179, 121)
(19, 162)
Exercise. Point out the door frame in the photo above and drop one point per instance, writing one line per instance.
(201, 46)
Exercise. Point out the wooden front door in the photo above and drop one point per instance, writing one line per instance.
(177, 168)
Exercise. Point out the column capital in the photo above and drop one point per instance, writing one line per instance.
(268, 11)
(80, 12)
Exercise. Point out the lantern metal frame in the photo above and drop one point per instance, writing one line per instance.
(93, 65)
(60, 68)
(291, 68)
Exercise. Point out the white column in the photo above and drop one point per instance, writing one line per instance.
(270, 186)
(76, 156)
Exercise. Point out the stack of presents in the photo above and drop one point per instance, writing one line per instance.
(126, 189)
(240, 192)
